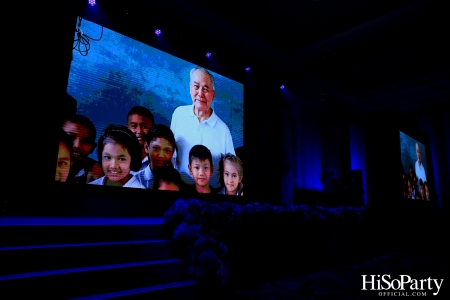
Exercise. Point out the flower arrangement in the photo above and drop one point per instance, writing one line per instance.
(218, 238)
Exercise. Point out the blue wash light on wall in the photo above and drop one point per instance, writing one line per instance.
(91, 2)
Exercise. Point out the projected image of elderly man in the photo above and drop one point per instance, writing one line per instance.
(419, 168)
(198, 124)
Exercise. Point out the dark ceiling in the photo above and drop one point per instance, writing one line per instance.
(364, 54)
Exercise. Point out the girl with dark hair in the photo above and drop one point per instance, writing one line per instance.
(119, 153)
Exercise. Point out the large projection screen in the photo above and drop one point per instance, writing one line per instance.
(114, 72)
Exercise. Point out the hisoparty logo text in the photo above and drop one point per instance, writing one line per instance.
(405, 284)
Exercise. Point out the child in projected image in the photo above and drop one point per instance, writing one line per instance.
(418, 193)
(140, 119)
(422, 189)
(65, 157)
(410, 189)
(201, 167)
(160, 146)
(415, 191)
(405, 185)
(411, 173)
(119, 152)
(427, 191)
(231, 173)
(168, 179)
(84, 169)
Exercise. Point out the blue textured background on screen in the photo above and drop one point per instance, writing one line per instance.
(118, 73)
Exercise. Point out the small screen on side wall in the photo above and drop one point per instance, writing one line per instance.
(414, 177)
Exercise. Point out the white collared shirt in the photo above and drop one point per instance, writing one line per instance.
(212, 133)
